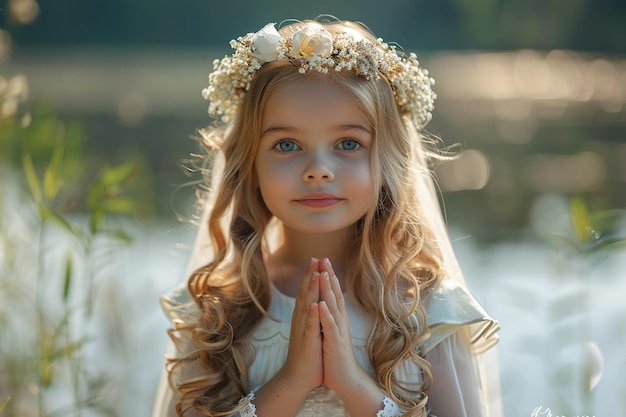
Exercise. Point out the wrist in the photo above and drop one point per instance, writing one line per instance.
(360, 392)
(282, 395)
(353, 382)
(292, 381)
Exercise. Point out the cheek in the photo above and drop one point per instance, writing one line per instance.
(362, 182)
(271, 181)
(262, 172)
(363, 175)
(266, 175)
(277, 172)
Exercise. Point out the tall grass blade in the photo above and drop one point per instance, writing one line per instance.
(52, 180)
(580, 219)
(31, 178)
(68, 277)
(3, 406)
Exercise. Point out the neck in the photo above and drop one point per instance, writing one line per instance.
(289, 259)
(303, 246)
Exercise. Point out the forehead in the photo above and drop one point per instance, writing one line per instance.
(312, 101)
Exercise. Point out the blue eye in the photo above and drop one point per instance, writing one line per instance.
(286, 145)
(349, 145)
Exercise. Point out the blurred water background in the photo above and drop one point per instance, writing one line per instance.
(99, 104)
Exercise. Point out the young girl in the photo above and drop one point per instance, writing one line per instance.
(323, 279)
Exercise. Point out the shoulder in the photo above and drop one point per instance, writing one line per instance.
(449, 307)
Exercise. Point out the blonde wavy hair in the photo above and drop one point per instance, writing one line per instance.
(396, 262)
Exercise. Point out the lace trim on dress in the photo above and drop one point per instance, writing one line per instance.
(250, 409)
(390, 409)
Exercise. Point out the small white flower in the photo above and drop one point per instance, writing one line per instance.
(312, 41)
(265, 44)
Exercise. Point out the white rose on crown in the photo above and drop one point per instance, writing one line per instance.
(312, 41)
(265, 44)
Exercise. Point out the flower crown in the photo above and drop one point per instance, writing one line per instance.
(313, 48)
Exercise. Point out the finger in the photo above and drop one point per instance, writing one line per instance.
(339, 319)
(327, 321)
(308, 274)
(327, 293)
(309, 287)
(313, 293)
(305, 298)
(334, 284)
(336, 303)
(313, 325)
(304, 301)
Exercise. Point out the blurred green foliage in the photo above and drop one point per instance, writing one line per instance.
(594, 235)
(52, 260)
(61, 222)
(596, 232)
(45, 142)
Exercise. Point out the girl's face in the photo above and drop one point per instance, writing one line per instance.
(312, 164)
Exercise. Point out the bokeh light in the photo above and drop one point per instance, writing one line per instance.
(577, 173)
(470, 171)
(23, 12)
(522, 85)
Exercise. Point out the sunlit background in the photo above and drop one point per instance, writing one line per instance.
(531, 92)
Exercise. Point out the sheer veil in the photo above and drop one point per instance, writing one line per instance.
(458, 322)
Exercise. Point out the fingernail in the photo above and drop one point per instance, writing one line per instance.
(314, 260)
(327, 261)
(326, 276)
(316, 275)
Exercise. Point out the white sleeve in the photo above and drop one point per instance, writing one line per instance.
(464, 384)
(463, 355)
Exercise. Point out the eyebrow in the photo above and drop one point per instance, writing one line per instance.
(293, 129)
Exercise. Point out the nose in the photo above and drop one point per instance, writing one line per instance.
(318, 168)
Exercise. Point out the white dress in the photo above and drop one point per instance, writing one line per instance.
(459, 388)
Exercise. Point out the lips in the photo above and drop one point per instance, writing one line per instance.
(319, 200)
